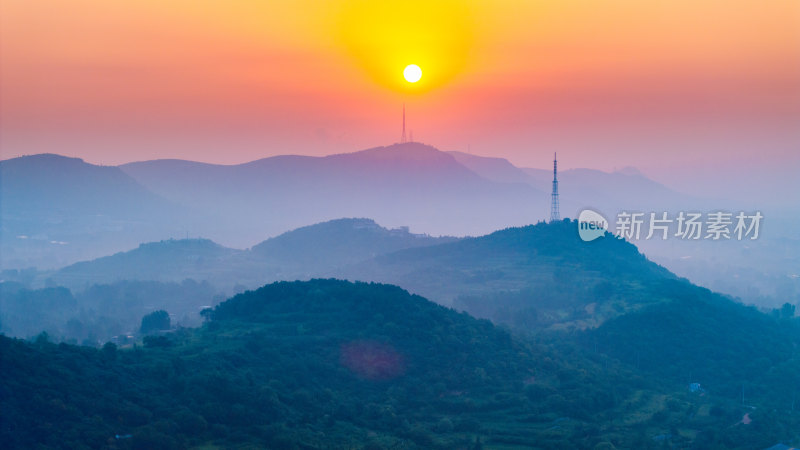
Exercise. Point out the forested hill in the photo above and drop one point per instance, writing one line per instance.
(527, 277)
(695, 335)
(541, 244)
(334, 364)
(319, 364)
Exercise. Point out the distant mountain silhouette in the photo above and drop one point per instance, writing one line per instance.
(615, 191)
(52, 184)
(170, 260)
(337, 243)
(312, 251)
(402, 184)
(56, 209)
(627, 188)
(495, 169)
(79, 211)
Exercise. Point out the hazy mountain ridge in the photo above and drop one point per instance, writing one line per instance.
(57, 209)
(402, 184)
(439, 193)
(579, 188)
(312, 251)
(49, 183)
(496, 169)
(346, 241)
(170, 260)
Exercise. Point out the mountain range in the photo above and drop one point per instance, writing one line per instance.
(403, 184)
(58, 211)
(625, 189)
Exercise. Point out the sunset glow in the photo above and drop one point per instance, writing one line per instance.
(116, 82)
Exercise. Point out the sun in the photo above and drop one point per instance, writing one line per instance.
(412, 73)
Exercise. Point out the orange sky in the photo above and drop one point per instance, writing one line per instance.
(607, 83)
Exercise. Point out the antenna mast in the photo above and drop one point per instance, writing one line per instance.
(555, 214)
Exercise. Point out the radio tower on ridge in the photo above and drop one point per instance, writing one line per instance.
(555, 214)
(403, 139)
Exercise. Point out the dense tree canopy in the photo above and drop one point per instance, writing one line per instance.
(329, 363)
(155, 321)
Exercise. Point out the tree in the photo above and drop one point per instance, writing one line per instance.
(42, 338)
(207, 313)
(155, 321)
(110, 350)
(787, 311)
